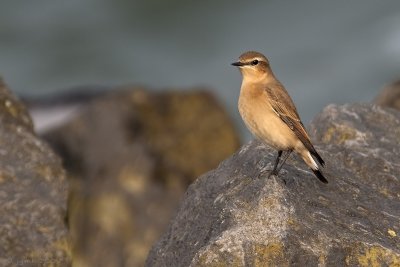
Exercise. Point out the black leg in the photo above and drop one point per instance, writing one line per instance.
(277, 160)
(284, 160)
(274, 171)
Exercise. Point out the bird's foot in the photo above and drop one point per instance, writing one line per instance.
(276, 174)
(270, 173)
(273, 173)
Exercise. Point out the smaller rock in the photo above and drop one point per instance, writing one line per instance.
(12, 110)
(131, 155)
(389, 96)
(33, 193)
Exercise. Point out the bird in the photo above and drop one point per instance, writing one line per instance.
(270, 114)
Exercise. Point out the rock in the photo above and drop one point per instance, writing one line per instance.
(12, 111)
(389, 96)
(131, 155)
(229, 217)
(33, 193)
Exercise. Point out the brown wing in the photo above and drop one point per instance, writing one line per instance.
(284, 107)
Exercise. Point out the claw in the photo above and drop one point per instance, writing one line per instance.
(273, 173)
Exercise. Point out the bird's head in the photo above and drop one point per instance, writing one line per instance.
(253, 65)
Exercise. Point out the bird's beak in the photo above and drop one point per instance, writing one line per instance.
(237, 64)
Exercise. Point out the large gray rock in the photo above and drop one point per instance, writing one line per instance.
(229, 217)
(33, 192)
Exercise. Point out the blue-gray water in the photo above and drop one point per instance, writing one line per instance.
(323, 51)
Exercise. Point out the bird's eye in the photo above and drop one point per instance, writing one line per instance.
(254, 62)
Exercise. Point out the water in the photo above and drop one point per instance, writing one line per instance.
(323, 52)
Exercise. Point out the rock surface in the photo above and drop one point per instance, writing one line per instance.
(229, 217)
(33, 192)
(131, 155)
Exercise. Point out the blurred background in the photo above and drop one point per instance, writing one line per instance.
(131, 154)
(323, 52)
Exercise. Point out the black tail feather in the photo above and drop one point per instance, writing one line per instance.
(318, 157)
(320, 176)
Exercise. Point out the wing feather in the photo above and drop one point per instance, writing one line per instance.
(284, 107)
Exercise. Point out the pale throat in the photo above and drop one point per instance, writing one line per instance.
(251, 77)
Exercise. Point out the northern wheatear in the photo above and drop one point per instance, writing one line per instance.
(270, 114)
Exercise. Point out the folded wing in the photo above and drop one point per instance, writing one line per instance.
(284, 107)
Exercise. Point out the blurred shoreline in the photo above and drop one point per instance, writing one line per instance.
(51, 111)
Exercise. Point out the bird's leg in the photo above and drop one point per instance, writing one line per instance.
(284, 160)
(274, 170)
